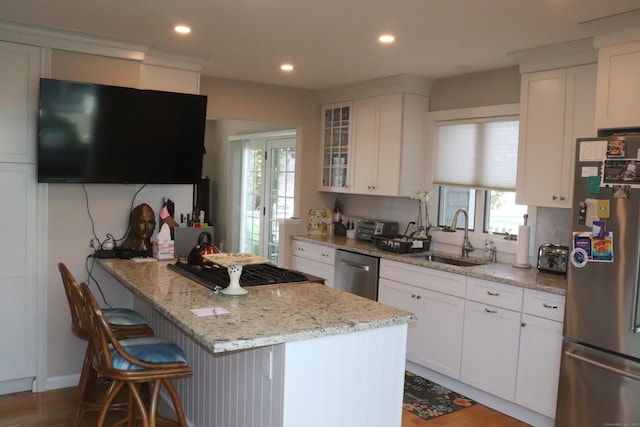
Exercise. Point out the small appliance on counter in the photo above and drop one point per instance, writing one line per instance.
(366, 228)
(553, 258)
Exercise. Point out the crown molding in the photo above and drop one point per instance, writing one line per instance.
(56, 38)
(383, 86)
(559, 55)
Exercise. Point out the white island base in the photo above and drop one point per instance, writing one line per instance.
(352, 380)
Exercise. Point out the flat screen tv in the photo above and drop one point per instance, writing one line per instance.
(91, 133)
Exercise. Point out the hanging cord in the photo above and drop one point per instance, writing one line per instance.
(89, 265)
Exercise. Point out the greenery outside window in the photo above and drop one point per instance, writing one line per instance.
(502, 214)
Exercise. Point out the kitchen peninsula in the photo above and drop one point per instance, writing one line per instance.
(283, 356)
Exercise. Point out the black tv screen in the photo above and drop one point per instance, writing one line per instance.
(91, 133)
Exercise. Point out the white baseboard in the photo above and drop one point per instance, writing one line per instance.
(64, 381)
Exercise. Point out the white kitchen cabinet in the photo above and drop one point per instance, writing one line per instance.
(19, 260)
(336, 153)
(618, 95)
(435, 297)
(317, 260)
(388, 139)
(19, 82)
(556, 107)
(540, 351)
(491, 336)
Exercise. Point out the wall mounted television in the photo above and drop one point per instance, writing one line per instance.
(91, 133)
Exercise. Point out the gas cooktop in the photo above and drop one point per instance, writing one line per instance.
(213, 275)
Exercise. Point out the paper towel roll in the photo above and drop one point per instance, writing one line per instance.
(522, 252)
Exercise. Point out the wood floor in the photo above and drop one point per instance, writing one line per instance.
(53, 409)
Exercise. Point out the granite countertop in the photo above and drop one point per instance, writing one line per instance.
(267, 315)
(529, 278)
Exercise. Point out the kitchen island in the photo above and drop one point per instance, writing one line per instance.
(281, 356)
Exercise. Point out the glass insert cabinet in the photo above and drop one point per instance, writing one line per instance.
(336, 127)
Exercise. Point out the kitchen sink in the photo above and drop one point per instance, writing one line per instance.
(460, 262)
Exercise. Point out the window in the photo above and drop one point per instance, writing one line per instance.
(475, 165)
(453, 198)
(502, 214)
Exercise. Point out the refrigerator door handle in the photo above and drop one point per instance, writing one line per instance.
(573, 354)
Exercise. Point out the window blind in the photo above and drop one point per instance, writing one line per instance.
(477, 153)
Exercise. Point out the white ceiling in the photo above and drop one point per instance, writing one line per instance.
(331, 42)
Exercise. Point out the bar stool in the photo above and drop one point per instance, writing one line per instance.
(125, 323)
(132, 362)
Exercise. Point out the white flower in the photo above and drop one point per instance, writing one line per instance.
(423, 196)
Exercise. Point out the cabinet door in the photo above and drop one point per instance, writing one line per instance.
(557, 107)
(441, 339)
(540, 150)
(365, 155)
(389, 145)
(336, 147)
(406, 298)
(18, 267)
(490, 349)
(19, 82)
(314, 268)
(618, 86)
(539, 364)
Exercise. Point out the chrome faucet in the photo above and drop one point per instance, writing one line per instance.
(466, 244)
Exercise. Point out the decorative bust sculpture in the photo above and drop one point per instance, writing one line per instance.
(142, 223)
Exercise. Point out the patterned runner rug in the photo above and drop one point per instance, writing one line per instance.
(428, 400)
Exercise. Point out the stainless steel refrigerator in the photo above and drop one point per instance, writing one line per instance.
(600, 368)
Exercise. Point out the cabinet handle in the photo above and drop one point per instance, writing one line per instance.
(523, 324)
(554, 197)
(545, 305)
(493, 294)
(490, 311)
(562, 198)
(416, 296)
(300, 249)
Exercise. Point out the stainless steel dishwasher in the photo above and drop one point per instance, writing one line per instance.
(356, 273)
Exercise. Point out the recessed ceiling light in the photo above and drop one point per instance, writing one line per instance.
(386, 38)
(182, 29)
(286, 67)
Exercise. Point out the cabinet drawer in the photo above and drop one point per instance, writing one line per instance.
(543, 304)
(425, 278)
(323, 254)
(497, 294)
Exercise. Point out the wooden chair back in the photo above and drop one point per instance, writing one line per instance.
(79, 316)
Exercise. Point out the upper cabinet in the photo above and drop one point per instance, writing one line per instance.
(374, 145)
(336, 147)
(618, 99)
(556, 107)
(19, 75)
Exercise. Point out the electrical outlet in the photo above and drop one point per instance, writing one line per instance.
(267, 363)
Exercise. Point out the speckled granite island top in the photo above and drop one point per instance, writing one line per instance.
(267, 315)
(498, 272)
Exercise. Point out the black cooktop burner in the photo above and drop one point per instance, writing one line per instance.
(252, 275)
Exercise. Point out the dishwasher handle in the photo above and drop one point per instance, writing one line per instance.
(354, 265)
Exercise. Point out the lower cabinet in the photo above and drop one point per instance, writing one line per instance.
(435, 339)
(540, 352)
(490, 348)
(317, 260)
(502, 339)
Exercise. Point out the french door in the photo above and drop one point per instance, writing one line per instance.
(268, 171)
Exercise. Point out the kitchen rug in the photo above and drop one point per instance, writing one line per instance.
(428, 400)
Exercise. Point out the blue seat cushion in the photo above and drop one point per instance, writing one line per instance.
(123, 316)
(149, 349)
